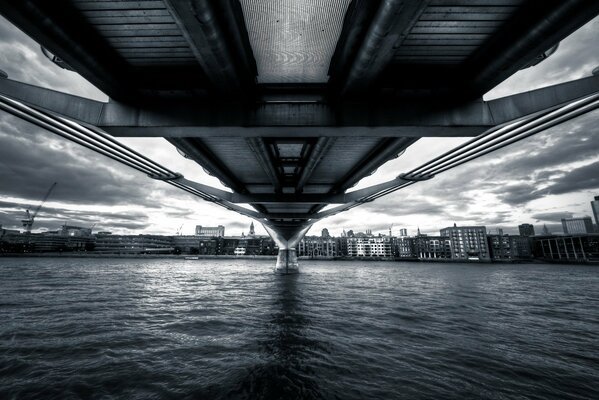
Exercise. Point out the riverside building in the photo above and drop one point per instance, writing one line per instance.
(468, 242)
(574, 248)
(215, 231)
(404, 247)
(313, 246)
(369, 246)
(432, 247)
(134, 244)
(577, 225)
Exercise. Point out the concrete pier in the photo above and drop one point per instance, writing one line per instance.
(287, 240)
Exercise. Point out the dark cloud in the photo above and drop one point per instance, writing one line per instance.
(583, 178)
(552, 216)
(51, 218)
(572, 60)
(31, 160)
(529, 170)
(497, 218)
(576, 140)
(412, 206)
(518, 193)
(22, 59)
(178, 213)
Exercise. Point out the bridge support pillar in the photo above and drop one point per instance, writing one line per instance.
(287, 239)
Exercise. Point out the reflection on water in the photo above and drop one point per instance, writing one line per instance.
(285, 372)
(221, 329)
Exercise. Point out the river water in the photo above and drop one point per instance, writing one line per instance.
(220, 329)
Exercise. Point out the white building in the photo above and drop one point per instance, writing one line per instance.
(212, 231)
(311, 246)
(595, 208)
(371, 246)
(577, 225)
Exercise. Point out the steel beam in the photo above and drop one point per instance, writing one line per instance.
(281, 198)
(386, 150)
(63, 31)
(216, 40)
(264, 157)
(538, 26)
(300, 119)
(298, 132)
(388, 29)
(193, 148)
(320, 149)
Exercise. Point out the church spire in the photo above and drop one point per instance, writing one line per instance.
(252, 233)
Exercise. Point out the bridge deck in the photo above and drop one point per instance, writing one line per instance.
(288, 98)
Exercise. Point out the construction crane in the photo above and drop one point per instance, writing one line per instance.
(179, 230)
(390, 227)
(28, 222)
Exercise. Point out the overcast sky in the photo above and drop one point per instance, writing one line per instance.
(552, 175)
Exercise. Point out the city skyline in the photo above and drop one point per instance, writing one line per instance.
(392, 230)
(549, 177)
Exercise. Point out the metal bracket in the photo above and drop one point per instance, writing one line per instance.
(416, 177)
(166, 177)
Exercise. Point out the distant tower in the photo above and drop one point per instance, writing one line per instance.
(526, 230)
(252, 233)
(325, 233)
(546, 230)
(419, 234)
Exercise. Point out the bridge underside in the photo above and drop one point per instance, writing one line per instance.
(291, 103)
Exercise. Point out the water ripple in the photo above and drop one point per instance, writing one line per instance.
(230, 329)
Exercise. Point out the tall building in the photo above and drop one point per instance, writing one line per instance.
(252, 232)
(403, 232)
(214, 231)
(577, 225)
(468, 242)
(325, 233)
(526, 230)
(595, 208)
